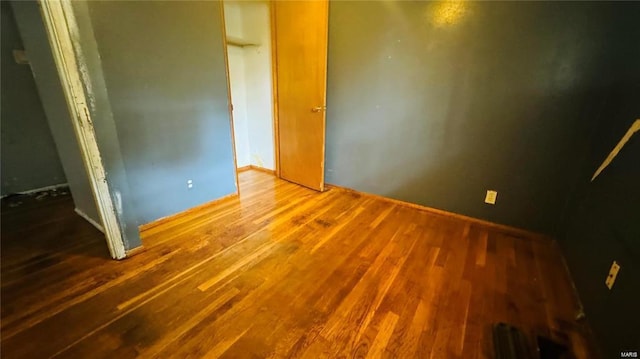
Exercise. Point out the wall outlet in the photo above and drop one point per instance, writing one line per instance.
(491, 196)
(189, 184)
(613, 273)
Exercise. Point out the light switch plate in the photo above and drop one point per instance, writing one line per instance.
(613, 273)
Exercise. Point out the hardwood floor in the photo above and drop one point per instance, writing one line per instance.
(281, 271)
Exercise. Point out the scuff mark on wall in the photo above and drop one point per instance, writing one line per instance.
(118, 203)
(257, 160)
(635, 127)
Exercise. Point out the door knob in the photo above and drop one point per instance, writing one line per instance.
(319, 108)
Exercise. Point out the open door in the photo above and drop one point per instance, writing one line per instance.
(300, 65)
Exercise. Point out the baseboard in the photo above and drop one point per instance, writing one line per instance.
(41, 189)
(262, 169)
(257, 168)
(135, 251)
(500, 227)
(89, 219)
(173, 217)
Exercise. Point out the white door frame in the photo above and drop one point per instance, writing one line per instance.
(62, 31)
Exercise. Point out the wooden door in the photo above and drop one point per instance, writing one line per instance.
(300, 64)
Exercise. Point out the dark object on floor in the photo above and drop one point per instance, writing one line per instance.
(510, 343)
(549, 349)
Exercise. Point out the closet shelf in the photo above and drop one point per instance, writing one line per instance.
(240, 42)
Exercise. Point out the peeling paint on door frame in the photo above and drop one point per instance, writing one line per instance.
(62, 31)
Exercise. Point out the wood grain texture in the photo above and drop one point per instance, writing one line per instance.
(274, 87)
(279, 272)
(300, 30)
(190, 211)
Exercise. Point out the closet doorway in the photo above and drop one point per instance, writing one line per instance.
(248, 39)
(277, 59)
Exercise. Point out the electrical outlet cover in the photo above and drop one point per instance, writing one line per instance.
(613, 273)
(491, 197)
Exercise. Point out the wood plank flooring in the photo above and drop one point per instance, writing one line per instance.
(280, 272)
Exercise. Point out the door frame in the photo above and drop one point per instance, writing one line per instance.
(62, 31)
(227, 70)
(274, 88)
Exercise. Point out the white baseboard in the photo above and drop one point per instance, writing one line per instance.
(41, 189)
(94, 223)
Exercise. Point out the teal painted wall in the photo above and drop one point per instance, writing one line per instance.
(504, 98)
(29, 158)
(165, 76)
(54, 104)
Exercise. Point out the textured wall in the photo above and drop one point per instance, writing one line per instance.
(435, 103)
(164, 70)
(29, 157)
